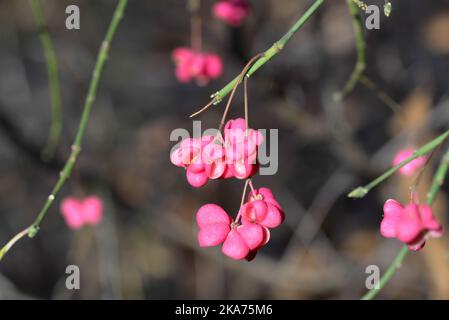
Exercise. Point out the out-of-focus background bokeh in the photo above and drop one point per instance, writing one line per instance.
(146, 247)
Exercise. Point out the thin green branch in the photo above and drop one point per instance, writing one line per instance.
(53, 80)
(270, 53)
(438, 180)
(359, 3)
(13, 240)
(76, 147)
(360, 192)
(394, 266)
(360, 65)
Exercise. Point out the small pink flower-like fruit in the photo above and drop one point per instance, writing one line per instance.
(189, 155)
(78, 213)
(411, 224)
(239, 242)
(241, 146)
(235, 133)
(198, 178)
(213, 66)
(211, 157)
(183, 58)
(233, 12)
(193, 65)
(262, 208)
(214, 225)
(411, 167)
(243, 241)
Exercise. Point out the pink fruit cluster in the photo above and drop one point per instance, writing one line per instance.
(233, 12)
(240, 241)
(232, 155)
(80, 212)
(411, 167)
(411, 224)
(212, 157)
(198, 66)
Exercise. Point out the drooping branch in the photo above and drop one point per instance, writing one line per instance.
(360, 65)
(76, 146)
(53, 80)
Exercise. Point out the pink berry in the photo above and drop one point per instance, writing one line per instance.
(252, 234)
(182, 54)
(411, 167)
(77, 212)
(411, 224)
(187, 151)
(232, 12)
(239, 242)
(263, 209)
(241, 148)
(92, 210)
(183, 73)
(243, 170)
(196, 179)
(71, 210)
(211, 213)
(235, 246)
(200, 66)
(183, 57)
(214, 66)
(392, 214)
(213, 156)
(214, 225)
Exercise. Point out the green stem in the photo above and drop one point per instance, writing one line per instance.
(13, 240)
(360, 192)
(360, 65)
(394, 266)
(76, 147)
(359, 3)
(270, 53)
(53, 81)
(438, 180)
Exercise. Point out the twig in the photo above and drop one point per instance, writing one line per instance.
(13, 240)
(360, 46)
(438, 178)
(382, 95)
(194, 7)
(53, 81)
(242, 75)
(218, 96)
(237, 218)
(394, 266)
(76, 147)
(210, 103)
(360, 192)
(362, 5)
(231, 96)
(245, 97)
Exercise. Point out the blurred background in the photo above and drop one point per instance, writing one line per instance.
(146, 247)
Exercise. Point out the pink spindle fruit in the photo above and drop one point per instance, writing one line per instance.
(77, 212)
(411, 224)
